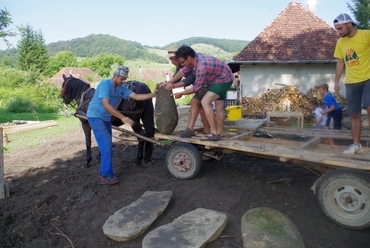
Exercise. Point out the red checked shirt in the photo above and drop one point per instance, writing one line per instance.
(209, 70)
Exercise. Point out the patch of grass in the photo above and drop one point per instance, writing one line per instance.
(33, 138)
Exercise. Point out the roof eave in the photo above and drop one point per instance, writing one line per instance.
(256, 62)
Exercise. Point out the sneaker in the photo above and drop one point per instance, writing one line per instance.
(109, 180)
(353, 149)
(187, 133)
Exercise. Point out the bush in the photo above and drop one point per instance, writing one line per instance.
(18, 105)
(21, 88)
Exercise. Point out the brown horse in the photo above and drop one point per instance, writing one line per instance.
(139, 111)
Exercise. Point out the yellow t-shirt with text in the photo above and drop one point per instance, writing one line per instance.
(356, 54)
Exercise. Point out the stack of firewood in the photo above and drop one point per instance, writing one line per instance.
(283, 98)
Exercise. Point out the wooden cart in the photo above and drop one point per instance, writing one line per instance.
(343, 189)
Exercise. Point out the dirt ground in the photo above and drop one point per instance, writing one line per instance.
(56, 202)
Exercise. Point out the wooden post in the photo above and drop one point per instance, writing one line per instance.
(4, 189)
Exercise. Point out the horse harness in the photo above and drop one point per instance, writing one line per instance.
(130, 85)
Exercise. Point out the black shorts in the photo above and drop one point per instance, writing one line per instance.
(200, 93)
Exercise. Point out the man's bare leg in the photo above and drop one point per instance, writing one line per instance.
(220, 116)
(194, 111)
(204, 120)
(356, 128)
(208, 98)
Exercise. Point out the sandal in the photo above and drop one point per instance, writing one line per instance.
(211, 137)
(187, 133)
(109, 180)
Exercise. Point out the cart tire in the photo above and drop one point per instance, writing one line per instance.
(184, 161)
(343, 196)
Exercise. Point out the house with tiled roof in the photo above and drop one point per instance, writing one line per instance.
(76, 72)
(297, 48)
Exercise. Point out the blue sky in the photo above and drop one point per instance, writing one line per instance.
(158, 22)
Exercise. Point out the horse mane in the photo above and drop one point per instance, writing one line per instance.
(73, 87)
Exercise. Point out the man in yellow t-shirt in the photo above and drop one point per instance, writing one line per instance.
(353, 54)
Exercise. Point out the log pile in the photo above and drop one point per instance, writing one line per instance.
(279, 99)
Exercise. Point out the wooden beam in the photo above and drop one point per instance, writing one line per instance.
(4, 189)
(310, 143)
(243, 135)
(26, 127)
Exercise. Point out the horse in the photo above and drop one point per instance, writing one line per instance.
(139, 111)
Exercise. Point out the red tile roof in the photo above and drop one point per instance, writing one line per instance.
(155, 74)
(296, 34)
(77, 72)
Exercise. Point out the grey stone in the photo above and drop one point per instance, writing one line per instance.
(266, 227)
(191, 230)
(166, 116)
(131, 221)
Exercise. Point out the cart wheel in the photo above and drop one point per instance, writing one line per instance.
(344, 197)
(184, 161)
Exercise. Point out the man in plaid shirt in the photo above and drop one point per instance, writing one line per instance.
(213, 78)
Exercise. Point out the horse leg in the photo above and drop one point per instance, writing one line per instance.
(140, 148)
(87, 131)
(148, 122)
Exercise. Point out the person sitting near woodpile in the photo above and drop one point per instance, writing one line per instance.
(320, 119)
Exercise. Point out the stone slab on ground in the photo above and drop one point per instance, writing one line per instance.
(191, 230)
(266, 227)
(131, 221)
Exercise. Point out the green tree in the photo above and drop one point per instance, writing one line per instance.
(32, 52)
(60, 60)
(5, 62)
(103, 64)
(5, 21)
(361, 11)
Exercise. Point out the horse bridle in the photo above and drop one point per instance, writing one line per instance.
(63, 93)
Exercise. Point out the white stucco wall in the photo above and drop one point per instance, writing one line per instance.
(257, 79)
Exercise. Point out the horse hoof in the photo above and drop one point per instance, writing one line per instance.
(87, 165)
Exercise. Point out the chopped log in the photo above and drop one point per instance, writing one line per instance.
(277, 99)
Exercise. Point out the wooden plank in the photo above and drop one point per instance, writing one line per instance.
(310, 143)
(28, 127)
(287, 152)
(339, 134)
(4, 189)
(243, 135)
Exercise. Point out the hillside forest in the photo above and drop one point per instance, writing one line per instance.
(26, 68)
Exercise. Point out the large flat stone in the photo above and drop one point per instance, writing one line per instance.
(166, 116)
(131, 221)
(266, 227)
(191, 230)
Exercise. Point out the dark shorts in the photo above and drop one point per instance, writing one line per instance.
(220, 89)
(357, 96)
(200, 93)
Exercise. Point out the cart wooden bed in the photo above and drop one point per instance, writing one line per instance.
(343, 186)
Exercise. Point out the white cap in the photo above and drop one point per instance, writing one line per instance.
(342, 18)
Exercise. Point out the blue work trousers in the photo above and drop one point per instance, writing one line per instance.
(103, 135)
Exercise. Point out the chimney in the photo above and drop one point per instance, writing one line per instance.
(311, 5)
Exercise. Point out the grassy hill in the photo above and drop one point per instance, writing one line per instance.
(93, 45)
